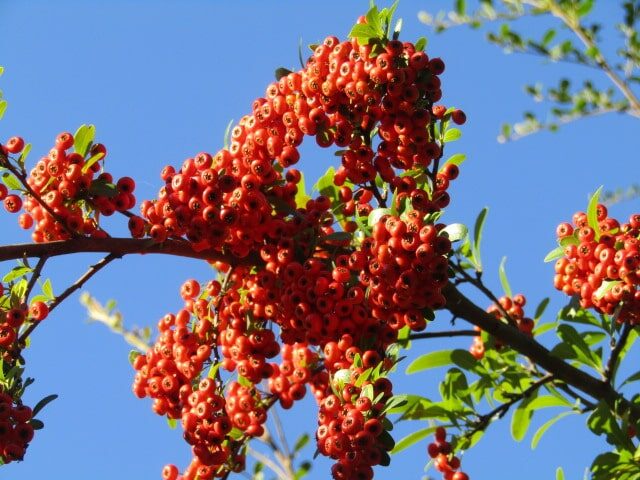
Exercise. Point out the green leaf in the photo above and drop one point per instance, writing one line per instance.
(584, 8)
(301, 442)
(554, 254)
(83, 137)
(522, 418)
(301, 195)
(543, 429)
(605, 287)
(16, 272)
(452, 135)
(103, 188)
(89, 163)
(11, 181)
(43, 403)
(461, 7)
(544, 328)
(421, 44)
(542, 306)
(36, 424)
(547, 401)
(133, 354)
(550, 35)
(632, 378)
(592, 212)
(477, 237)
(576, 343)
(305, 467)
(503, 278)
(363, 33)
(559, 474)
(459, 357)
(376, 214)
(47, 289)
(3, 108)
(456, 231)
(24, 154)
(227, 135)
(282, 72)
(456, 159)
(172, 422)
(412, 438)
(213, 370)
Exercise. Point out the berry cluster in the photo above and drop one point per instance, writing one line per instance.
(602, 268)
(334, 300)
(67, 192)
(443, 460)
(514, 307)
(16, 430)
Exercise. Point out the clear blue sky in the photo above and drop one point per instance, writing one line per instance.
(161, 80)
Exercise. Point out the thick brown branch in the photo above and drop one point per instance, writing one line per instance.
(464, 308)
(118, 246)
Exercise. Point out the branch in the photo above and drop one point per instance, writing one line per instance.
(559, 121)
(588, 42)
(35, 275)
(93, 269)
(118, 246)
(267, 461)
(462, 307)
(501, 410)
(612, 364)
(451, 333)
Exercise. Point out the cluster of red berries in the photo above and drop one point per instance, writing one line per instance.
(16, 430)
(443, 460)
(13, 318)
(351, 428)
(602, 268)
(514, 307)
(67, 192)
(337, 302)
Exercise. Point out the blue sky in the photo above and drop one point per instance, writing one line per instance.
(161, 80)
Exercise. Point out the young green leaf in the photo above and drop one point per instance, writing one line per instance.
(43, 403)
(592, 212)
(421, 44)
(542, 306)
(477, 237)
(554, 254)
(301, 442)
(503, 278)
(456, 231)
(412, 438)
(559, 474)
(522, 418)
(451, 135)
(546, 426)
(83, 138)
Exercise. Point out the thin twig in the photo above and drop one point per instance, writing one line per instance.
(268, 462)
(280, 432)
(574, 25)
(35, 275)
(464, 308)
(485, 420)
(75, 286)
(451, 333)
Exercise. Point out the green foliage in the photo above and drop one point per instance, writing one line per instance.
(584, 47)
